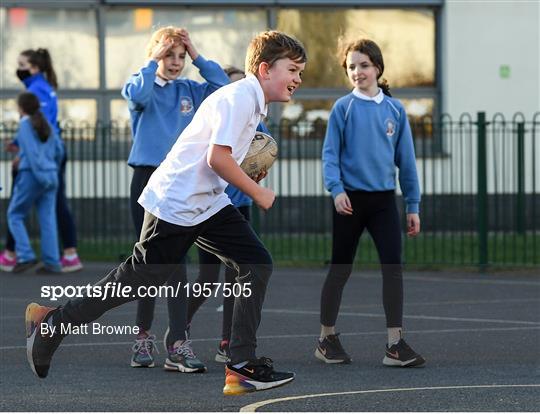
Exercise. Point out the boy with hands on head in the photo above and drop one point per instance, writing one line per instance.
(161, 106)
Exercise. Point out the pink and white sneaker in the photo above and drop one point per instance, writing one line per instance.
(71, 265)
(6, 263)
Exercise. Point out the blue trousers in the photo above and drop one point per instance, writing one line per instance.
(27, 192)
(66, 223)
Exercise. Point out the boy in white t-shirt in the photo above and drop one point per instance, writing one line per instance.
(185, 203)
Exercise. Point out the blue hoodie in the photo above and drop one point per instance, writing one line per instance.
(365, 142)
(161, 111)
(38, 85)
(238, 198)
(41, 158)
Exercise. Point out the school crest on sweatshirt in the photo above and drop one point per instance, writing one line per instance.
(186, 105)
(390, 126)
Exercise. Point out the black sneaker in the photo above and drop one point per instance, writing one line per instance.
(222, 354)
(402, 355)
(257, 375)
(24, 266)
(331, 351)
(40, 345)
(48, 270)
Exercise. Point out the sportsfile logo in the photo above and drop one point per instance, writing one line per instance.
(117, 290)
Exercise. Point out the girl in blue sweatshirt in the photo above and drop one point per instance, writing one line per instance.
(36, 184)
(35, 70)
(368, 136)
(161, 105)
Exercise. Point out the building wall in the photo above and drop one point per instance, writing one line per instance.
(478, 37)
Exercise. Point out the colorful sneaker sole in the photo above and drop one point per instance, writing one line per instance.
(237, 384)
(34, 316)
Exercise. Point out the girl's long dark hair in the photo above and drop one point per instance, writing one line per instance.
(373, 51)
(29, 105)
(42, 60)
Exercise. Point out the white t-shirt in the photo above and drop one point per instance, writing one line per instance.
(184, 190)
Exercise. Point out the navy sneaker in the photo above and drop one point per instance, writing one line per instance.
(24, 266)
(331, 351)
(402, 355)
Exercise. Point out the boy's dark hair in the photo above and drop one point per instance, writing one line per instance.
(372, 50)
(270, 46)
(29, 104)
(42, 60)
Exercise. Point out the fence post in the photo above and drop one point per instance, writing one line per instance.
(482, 211)
(520, 200)
(256, 219)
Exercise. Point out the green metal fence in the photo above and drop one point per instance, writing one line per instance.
(479, 178)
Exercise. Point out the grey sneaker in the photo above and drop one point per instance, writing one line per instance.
(142, 352)
(222, 354)
(181, 357)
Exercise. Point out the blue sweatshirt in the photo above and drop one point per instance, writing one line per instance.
(38, 85)
(238, 198)
(364, 143)
(160, 113)
(41, 158)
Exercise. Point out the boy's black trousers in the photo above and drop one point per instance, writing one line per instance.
(159, 252)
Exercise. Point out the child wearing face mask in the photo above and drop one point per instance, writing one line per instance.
(368, 136)
(40, 152)
(161, 106)
(35, 70)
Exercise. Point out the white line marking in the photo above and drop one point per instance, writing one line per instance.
(253, 407)
(366, 315)
(309, 335)
(468, 281)
(408, 276)
(380, 315)
(449, 302)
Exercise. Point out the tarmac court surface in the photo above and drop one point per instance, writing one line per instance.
(480, 335)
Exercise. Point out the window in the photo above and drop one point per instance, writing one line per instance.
(219, 35)
(406, 38)
(69, 35)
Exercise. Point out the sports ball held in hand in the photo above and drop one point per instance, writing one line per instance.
(261, 155)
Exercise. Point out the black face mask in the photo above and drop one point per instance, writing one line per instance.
(22, 74)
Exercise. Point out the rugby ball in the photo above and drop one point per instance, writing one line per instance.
(261, 155)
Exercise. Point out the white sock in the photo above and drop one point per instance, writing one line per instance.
(241, 364)
(71, 256)
(394, 335)
(327, 330)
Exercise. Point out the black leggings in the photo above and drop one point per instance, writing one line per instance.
(209, 267)
(160, 249)
(145, 306)
(376, 212)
